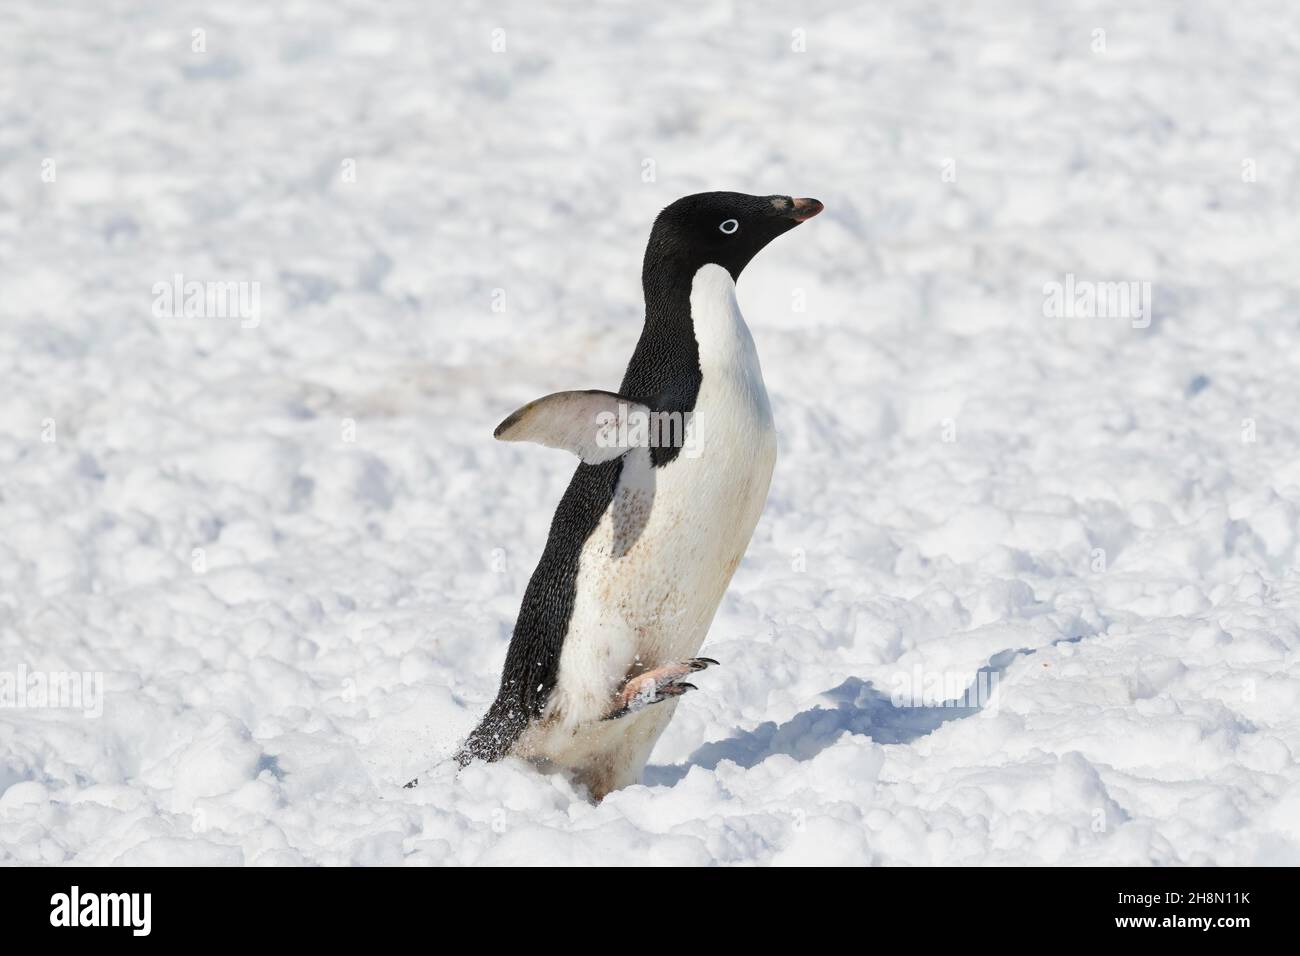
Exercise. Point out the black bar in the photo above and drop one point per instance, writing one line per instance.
(328, 906)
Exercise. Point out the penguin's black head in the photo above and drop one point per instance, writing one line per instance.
(726, 229)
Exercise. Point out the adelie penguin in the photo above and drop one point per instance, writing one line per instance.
(656, 519)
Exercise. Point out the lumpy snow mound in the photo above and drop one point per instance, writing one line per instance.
(1025, 588)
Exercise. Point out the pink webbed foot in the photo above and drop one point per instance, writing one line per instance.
(655, 686)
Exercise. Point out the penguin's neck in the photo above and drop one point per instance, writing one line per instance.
(665, 368)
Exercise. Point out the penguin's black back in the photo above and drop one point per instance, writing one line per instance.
(533, 659)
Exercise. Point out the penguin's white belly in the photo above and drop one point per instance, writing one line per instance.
(653, 572)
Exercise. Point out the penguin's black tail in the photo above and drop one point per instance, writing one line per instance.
(496, 733)
(491, 739)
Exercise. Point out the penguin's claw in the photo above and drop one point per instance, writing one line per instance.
(656, 686)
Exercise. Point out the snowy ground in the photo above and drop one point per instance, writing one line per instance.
(1095, 522)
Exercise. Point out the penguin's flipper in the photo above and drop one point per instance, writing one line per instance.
(585, 423)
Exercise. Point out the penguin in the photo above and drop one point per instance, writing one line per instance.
(673, 476)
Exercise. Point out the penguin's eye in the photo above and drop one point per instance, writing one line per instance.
(729, 226)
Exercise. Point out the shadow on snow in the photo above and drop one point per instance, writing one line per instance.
(857, 707)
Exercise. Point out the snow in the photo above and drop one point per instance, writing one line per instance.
(1089, 523)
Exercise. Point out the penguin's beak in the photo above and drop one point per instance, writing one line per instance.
(804, 209)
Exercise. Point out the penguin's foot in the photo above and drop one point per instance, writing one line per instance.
(656, 686)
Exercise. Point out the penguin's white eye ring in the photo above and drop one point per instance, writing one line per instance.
(728, 226)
